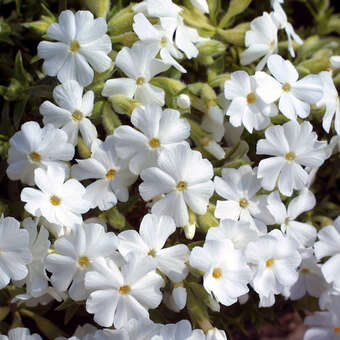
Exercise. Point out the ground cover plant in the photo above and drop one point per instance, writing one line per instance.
(169, 169)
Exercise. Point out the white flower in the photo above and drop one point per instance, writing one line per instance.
(39, 244)
(292, 146)
(153, 233)
(239, 233)
(133, 329)
(153, 8)
(330, 101)
(20, 333)
(15, 254)
(246, 107)
(72, 112)
(34, 147)
(160, 36)
(335, 62)
(216, 334)
(303, 233)
(179, 331)
(280, 18)
(213, 122)
(158, 131)
(42, 298)
(261, 41)
(329, 245)
(185, 37)
(111, 173)
(226, 273)
(326, 325)
(140, 65)
(59, 202)
(75, 255)
(201, 5)
(239, 187)
(118, 296)
(182, 187)
(295, 95)
(81, 41)
(310, 277)
(274, 259)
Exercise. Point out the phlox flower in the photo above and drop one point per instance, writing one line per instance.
(239, 188)
(139, 63)
(81, 42)
(15, 253)
(246, 107)
(295, 95)
(329, 245)
(310, 278)
(239, 233)
(212, 122)
(111, 173)
(33, 147)
(181, 330)
(72, 112)
(39, 244)
(75, 255)
(291, 146)
(153, 233)
(330, 101)
(280, 18)
(325, 325)
(143, 329)
(162, 37)
(274, 259)
(158, 130)
(225, 272)
(182, 187)
(20, 333)
(216, 334)
(153, 8)
(120, 295)
(58, 201)
(261, 41)
(303, 233)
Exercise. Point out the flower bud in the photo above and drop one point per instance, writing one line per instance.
(123, 104)
(211, 48)
(183, 101)
(216, 334)
(98, 7)
(213, 148)
(236, 35)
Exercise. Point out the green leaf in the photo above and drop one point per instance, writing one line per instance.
(235, 7)
(4, 311)
(47, 327)
(19, 109)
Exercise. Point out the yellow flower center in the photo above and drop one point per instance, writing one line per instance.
(286, 87)
(55, 200)
(163, 41)
(243, 203)
(181, 186)
(251, 98)
(35, 157)
(83, 261)
(110, 174)
(290, 156)
(305, 271)
(152, 253)
(74, 46)
(217, 273)
(77, 116)
(140, 80)
(270, 262)
(154, 143)
(124, 290)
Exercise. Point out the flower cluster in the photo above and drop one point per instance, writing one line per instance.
(218, 219)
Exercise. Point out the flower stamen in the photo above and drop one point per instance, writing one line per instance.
(55, 200)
